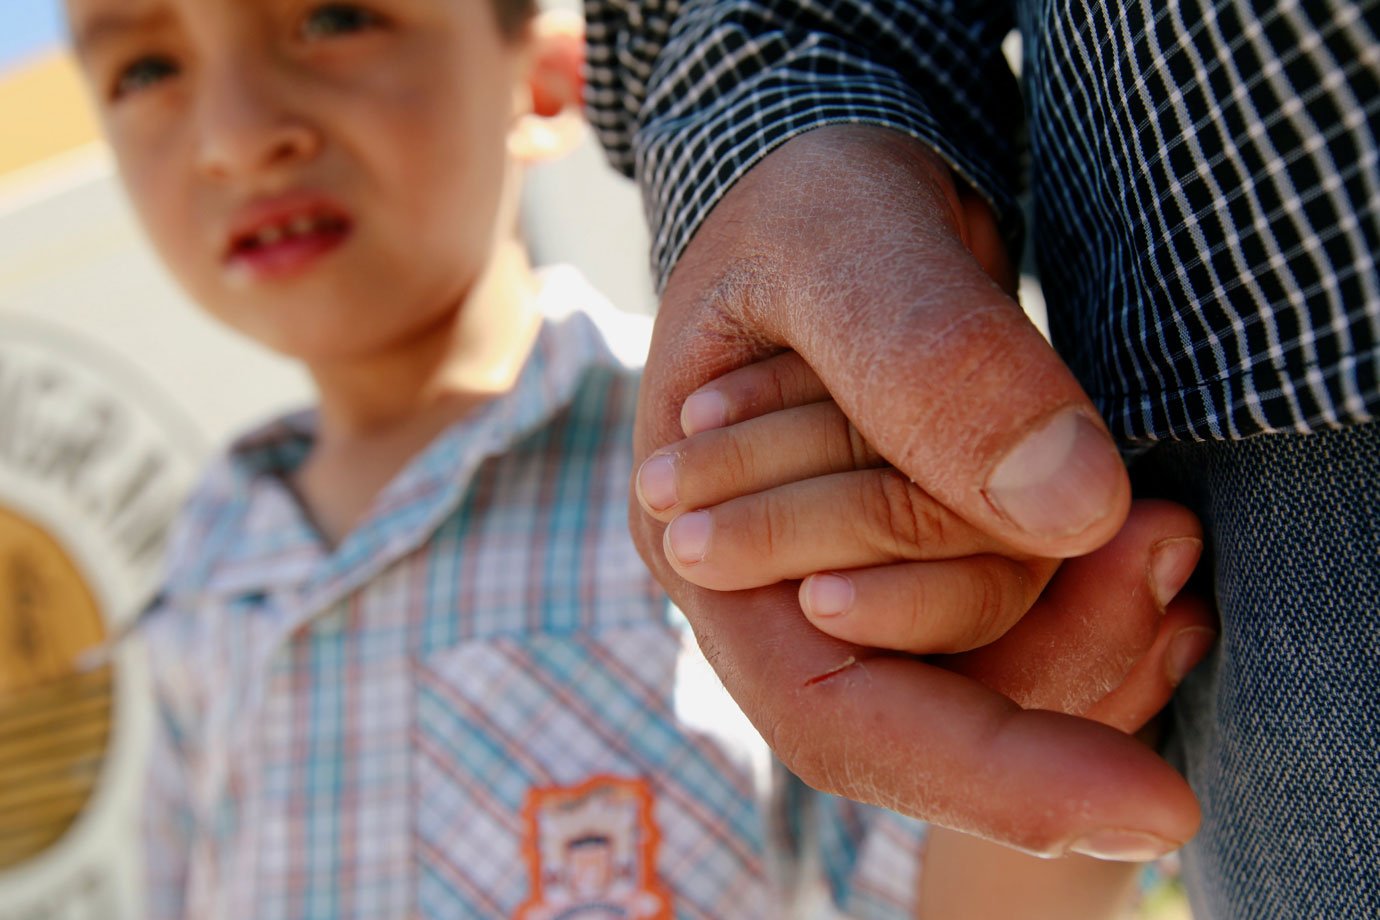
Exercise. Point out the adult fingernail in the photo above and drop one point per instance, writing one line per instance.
(1060, 480)
(1123, 846)
(1171, 563)
(1186, 649)
(827, 595)
(688, 537)
(656, 482)
(703, 411)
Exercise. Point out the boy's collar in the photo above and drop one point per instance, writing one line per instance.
(580, 331)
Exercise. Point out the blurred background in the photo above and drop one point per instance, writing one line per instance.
(113, 391)
(94, 341)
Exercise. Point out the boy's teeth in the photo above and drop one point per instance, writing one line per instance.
(300, 226)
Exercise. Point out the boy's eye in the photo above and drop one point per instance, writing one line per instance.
(332, 19)
(142, 74)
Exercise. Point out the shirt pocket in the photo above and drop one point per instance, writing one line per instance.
(556, 775)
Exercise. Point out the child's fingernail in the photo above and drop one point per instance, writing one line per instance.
(656, 482)
(1060, 480)
(703, 411)
(1123, 846)
(826, 595)
(688, 537)
(1186, 649)
(1171, 563)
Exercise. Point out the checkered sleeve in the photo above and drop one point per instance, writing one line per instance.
(687, 95)
(167, 822)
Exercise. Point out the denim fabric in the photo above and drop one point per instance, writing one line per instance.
(1278, 730)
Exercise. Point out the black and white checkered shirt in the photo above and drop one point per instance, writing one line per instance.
(1204, 174)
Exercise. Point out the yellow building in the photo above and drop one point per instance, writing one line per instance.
(45, 106)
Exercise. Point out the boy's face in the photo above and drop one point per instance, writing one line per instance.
(325, 177)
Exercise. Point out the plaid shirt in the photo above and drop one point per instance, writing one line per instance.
(479, 701)
(1206, 188)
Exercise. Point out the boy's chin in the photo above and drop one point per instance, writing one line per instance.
(335, 341)
(315, 350)
(328, 319)
(325, 340)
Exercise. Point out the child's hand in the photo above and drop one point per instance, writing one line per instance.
(773, 483)
(786, 488)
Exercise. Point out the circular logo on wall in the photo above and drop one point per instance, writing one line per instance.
(94, 464)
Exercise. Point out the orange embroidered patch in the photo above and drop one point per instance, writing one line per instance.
(591, 851)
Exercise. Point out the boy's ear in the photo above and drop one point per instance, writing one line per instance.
(550, 121)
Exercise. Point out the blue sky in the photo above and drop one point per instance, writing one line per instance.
(28, 27)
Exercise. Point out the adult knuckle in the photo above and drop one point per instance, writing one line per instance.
(735, 291)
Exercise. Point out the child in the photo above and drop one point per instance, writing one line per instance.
(407, 660)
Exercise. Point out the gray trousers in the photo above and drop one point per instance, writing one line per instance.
(1278, 731)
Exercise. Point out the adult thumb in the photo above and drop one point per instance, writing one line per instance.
(863, 270)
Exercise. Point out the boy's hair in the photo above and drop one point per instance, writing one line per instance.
(513, 15)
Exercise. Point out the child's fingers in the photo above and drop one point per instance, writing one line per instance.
(780, 382)
(1100, 619)
(1185, 637)
(926, 608)
(762, 453)
(800, 528)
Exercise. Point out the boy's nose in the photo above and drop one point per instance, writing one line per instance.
(248, 127)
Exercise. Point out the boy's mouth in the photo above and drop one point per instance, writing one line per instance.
(281, 239)
(299, 227)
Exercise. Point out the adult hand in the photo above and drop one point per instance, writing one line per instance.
(852, 247)
(967, 878)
